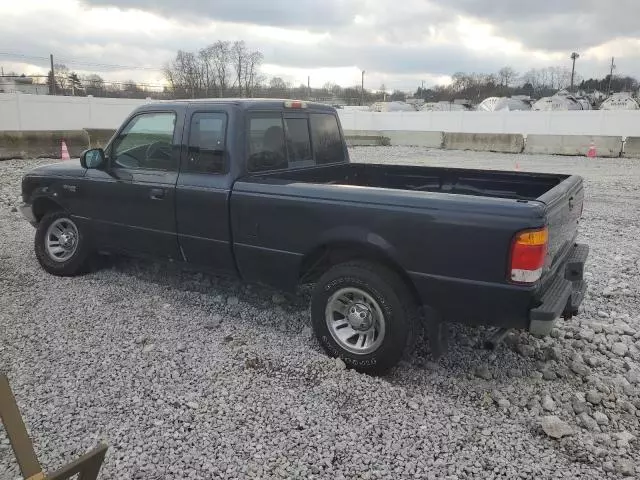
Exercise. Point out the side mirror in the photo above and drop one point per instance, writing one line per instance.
(93, 158)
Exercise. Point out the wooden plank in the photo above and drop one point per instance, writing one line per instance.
(17, 433)
(87, 466)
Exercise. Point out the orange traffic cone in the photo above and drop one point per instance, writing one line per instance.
(592, 153)
(64, 151)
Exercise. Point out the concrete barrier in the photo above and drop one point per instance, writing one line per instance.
(484, 142)
(414, 139)
(41, 144)
(396, 137)
(366, 140)
(99, 137)
(632, 147)
(573, 145)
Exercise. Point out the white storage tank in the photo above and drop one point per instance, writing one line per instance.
(499, 104)
(562, 100)
(392, 107)
(620, 101)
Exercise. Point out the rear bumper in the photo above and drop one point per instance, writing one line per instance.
(507, 305)
(564, 296)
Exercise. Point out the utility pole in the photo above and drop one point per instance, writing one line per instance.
(362, 90)
(574, 57)
(52, 87)
(613, 66)
(309, 87)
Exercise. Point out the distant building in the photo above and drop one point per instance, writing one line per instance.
(498, 104)
(417, 102)
(562, 100)
(22, 85)
(445, 106)
(620, 101)
(392, 107)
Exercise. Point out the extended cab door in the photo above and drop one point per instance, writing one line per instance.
(132, 203)
(203, 190)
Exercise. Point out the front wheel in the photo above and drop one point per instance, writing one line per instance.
(60, 245)
(362, 312)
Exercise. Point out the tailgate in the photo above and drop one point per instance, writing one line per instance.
(563, 211)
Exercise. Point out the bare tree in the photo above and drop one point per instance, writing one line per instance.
(328, 87)
(507, 75)
(94, 84)
(93, 81)
(239, 60)
(277, 83)
(62, 76)
(221, 60)
(206, 56)
(215, 69)
(184, 74)
(252, 76)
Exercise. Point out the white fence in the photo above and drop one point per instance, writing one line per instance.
(594, 122)
(43, 112)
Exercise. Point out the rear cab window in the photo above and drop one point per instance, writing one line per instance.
(281, 140)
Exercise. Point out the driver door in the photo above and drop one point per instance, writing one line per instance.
(131, 204)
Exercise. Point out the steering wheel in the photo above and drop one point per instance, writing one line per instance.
(158, 150)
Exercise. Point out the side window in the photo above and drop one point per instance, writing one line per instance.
(298, 142)
(266, 143)
(207, 143)
(327, 143)
(146, 142)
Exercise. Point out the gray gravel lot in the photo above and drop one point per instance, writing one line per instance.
(190, 376)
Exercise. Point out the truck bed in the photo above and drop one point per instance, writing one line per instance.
(450, 229)
(484, 183)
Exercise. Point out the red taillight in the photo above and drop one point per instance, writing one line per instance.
(528, 253)
(295, 104)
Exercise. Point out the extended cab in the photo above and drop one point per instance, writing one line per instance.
(263, 190)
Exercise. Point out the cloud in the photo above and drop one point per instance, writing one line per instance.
(398, 43)
(311, 14)
(556, 25)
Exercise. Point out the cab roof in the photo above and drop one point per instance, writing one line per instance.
(243, 103)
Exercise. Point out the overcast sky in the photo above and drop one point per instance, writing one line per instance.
(398, 42)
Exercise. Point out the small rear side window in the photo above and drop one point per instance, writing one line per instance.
(327, 143)
(298, 142)
(266, 144)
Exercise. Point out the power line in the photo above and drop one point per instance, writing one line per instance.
(106, 82)
(81, 63)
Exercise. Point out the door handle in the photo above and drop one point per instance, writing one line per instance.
(156, 194)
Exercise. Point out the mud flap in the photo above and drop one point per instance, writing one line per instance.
(438, 332)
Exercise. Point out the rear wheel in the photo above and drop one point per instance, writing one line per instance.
(363, 313)
(61, 246)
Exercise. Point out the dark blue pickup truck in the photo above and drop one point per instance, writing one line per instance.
(264, 190)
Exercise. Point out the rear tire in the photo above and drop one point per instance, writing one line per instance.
(61, 245)
(363, 313)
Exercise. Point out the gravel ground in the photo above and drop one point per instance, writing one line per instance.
(191, 376)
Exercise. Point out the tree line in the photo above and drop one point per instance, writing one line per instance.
(535, 83)
(219, 70)
(232, 69)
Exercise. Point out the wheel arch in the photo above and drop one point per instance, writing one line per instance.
(43, 205)
(326, 255)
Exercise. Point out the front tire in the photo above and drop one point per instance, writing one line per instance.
(363, 313)
(61, 246)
